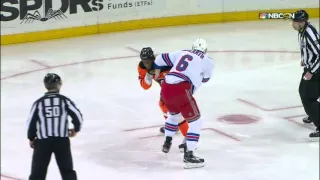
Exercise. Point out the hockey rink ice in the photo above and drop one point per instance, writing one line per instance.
(251, 107)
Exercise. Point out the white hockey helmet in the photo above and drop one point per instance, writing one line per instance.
(200, 45)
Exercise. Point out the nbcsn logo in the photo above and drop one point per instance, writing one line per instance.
(285, 16)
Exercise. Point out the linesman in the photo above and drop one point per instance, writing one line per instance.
(309, 88)
(48, 130)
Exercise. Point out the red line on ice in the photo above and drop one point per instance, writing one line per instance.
(223, 134)
(133, 49)
(40, 63)
(64, 65)
(9, 177)
(264, 109)
(141, 128)
(204, 129)
(277, 109)
(126, 57)
(297, 123)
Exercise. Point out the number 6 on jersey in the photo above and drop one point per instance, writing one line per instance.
(183, 62)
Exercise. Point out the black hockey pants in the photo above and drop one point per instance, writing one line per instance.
(42, 154)
(309, 91)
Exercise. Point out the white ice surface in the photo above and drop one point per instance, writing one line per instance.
(108, 93)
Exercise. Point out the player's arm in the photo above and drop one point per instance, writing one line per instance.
(312, 37)
(208, 70)
(164, 61)
(32, 122)
(75, 114)
(145, 79)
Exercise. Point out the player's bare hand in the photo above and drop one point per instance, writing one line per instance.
(157, 73)
(307, 76)
(151, 72)
(72, 133)
(160, 80)
(31, 144)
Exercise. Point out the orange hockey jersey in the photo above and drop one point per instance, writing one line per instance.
(142, 70)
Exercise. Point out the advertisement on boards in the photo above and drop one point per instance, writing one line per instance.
(31, 11)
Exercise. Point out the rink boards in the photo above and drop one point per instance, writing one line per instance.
(28, 21)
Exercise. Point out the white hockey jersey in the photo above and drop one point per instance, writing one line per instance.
(187, 65)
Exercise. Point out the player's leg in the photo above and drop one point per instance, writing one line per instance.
(168, 94)
(302, 93)
(171, 128)
(40, 159)
(313, 93)
(183, 125)
(191, 113)
(164, 110)
(62, 151)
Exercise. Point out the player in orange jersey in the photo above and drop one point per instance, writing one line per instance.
(146, 76)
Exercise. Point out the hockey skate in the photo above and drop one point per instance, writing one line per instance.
(192, 161)
(315, 135)
(167, 144)
(183, 148)
(307, 120)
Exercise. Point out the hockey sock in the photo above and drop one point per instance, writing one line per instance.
(171, 126)
(183, 127)
(193, 134)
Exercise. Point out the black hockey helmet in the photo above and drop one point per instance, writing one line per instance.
(300, 16)
(51, 81)
(147, 54)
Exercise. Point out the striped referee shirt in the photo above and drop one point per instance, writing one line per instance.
(49, 117)
(310, 48)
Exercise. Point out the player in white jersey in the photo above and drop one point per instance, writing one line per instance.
(190, 68)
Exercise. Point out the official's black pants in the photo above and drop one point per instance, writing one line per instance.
(309, 91)
(42, 154)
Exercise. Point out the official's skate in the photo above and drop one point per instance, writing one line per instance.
(315, 136)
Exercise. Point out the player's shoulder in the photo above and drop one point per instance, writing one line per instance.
(61, 96)
(142, 68)
(177, 53)
(311, 26)
(311, 30)
(65, 97)
(49, 95)
(141, 65)
(37, 101)
(170, 54)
